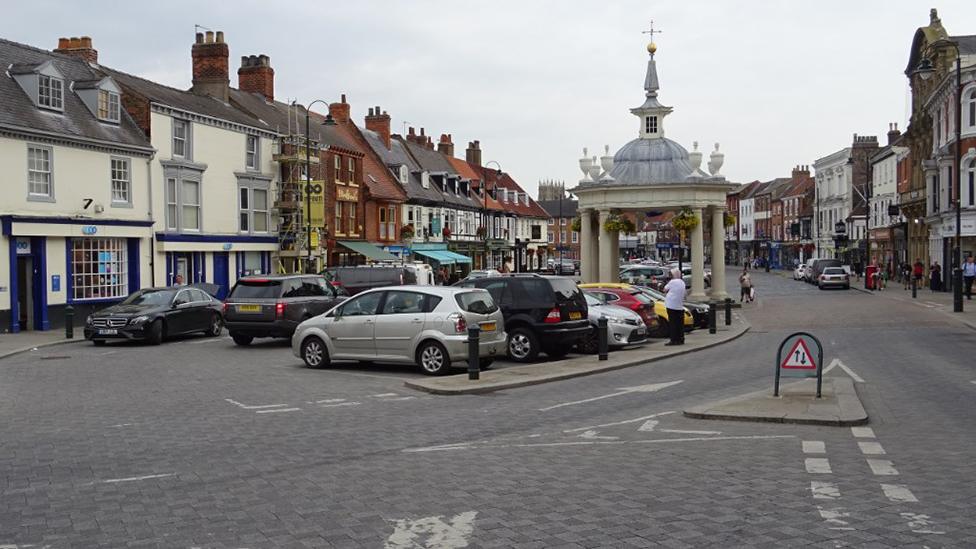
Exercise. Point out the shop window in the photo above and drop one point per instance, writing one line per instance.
(99, 268)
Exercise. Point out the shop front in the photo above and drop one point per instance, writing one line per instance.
(438, 256)
(213, 259)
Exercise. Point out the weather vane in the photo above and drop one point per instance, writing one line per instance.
(652, 32)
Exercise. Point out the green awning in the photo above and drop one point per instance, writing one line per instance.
(439, 256)
(458, 257)
(369, 250)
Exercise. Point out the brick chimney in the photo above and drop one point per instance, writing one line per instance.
(893, 133)
(473, 153)
(340, 111)
(446, 146)
(210, 66)
(379, 122)
(78, 47)
(801, 171)
(256, 75)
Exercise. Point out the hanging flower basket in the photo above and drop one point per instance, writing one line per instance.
(729, 219)
(685, 221)
(576, 225)
(406, 232)
(618, 223)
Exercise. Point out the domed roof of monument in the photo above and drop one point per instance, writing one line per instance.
(648, 161)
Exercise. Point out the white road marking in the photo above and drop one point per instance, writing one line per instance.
(122, 425)
(817, 466)
(259, 407)
(592, 435)
(330, 401)
(648, 425)
(684, 432)
(824, 490)
(133, 479)
(442, 448)
(898, 493)
(835, 517)
(836, 363)
(871, 448)
(275, 411)
(814, 447)
(432, 532)
(649, 388)
(384, 395)
(473, 446)
(862, 432)
(882, 467)
(920, 523)
(340, 404)
(398, 399)
(614, 424)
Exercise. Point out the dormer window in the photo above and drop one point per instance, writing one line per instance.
(650, 124)
(50, 92)
(108, 106)
(404, 173)
(425, 180)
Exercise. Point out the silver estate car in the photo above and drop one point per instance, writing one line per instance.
(834, 277)
(624, 327)
(422, 325)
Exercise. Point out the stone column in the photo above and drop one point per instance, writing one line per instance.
(697, 259)
(587, 257)
(595, 246)
(606, 250)
(717, 292)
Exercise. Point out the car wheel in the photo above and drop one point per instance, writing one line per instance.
(314, 352)
(485, 363)
(523, 346)
(847, 287)
(242, 340)
(432, 359)
(216, 326)
(155, 336)
(589, 344)
(98, 342)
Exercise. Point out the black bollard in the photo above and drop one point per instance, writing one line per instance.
(728, 311)
(914, 287)
(474, 350)
(69, 322)
(712, 313)
(602, 343)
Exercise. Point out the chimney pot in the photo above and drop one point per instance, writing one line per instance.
(376, 109)
(220, 37)
(380, 123)
(80, 48)
(62, 43)
(199, 38)
(256, 75)
(210, 37)
(343, 98)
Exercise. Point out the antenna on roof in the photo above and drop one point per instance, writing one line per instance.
(196, 28)
(405, 128)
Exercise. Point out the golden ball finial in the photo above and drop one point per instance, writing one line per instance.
(651, 47)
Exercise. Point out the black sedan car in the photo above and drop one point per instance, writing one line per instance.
(152, 314)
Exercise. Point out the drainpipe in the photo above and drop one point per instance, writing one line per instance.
(152, 235)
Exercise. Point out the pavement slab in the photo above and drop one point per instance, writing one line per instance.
(839, 405)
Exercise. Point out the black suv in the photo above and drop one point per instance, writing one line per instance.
(542, 313)
(273, 306)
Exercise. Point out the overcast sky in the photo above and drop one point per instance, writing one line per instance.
(776, 83)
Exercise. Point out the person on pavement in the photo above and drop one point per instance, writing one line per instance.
(968, 275)
(935, 277)
(745, 286)
(906, 274)
(918, 272)
(674, 302)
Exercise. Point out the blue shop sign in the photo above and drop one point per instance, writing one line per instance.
(436, 223)
(89, 229)
(55, 283)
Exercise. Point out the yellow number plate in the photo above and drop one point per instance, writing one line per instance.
(488, 326)
(575, 316)
(249, 308)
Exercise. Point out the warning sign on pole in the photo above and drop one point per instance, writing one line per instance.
(803, 359)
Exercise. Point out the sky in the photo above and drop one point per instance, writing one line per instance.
(776, 83)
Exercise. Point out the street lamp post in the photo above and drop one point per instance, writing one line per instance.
(925, 70)
(308, 184)
(484, 204)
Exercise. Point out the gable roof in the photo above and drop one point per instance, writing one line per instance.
(378, 178)
(76, 121)
(505, 181)
(435, 162)
(553, 207)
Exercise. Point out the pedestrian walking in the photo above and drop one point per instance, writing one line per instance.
(918, 272)
(745, 286)
(674, 302)
(935, 277)
(968, 275)
(906, 274)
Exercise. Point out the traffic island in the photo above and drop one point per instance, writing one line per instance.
(545, 372)
(839, 405)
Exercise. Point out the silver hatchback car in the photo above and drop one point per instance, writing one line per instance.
(423, 325)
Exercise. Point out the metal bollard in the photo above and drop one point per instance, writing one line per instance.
(602, 343)
(728, 311)
(914, 287)
(69, 322)
(712, 313)
(474, 350)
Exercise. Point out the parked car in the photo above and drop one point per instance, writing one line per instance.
(417, 273)
(353, 280)
(799, 271)
(699, 311)
(818, 266)
(273, 306)
(563, 266)
(834, 277)
(630, 298)
(624, 327)
(646, 275)
(482, 273)
(659, 309)
(422, 325)
(153, 314)
(542, 313)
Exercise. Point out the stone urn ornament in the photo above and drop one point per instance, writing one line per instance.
(695, 158)
(716, 159)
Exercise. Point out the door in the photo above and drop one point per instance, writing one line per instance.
(200, 311)
(25, 292)
(180, 317)
(221, 266)
(352, 329)
(399, 322)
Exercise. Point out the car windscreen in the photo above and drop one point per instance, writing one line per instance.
(256, 289)
(591, 301)
(564, 288)
(150, 297)
(476, 302)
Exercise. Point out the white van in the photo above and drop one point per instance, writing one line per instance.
(420, 274)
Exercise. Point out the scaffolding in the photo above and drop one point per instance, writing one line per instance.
(298, 251)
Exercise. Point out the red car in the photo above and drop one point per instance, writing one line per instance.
(633, 299)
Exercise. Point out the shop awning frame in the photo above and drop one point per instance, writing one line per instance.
(369, 250)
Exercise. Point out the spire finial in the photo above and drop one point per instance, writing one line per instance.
(651, 46)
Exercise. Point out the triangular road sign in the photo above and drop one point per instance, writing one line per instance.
(799, 357)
